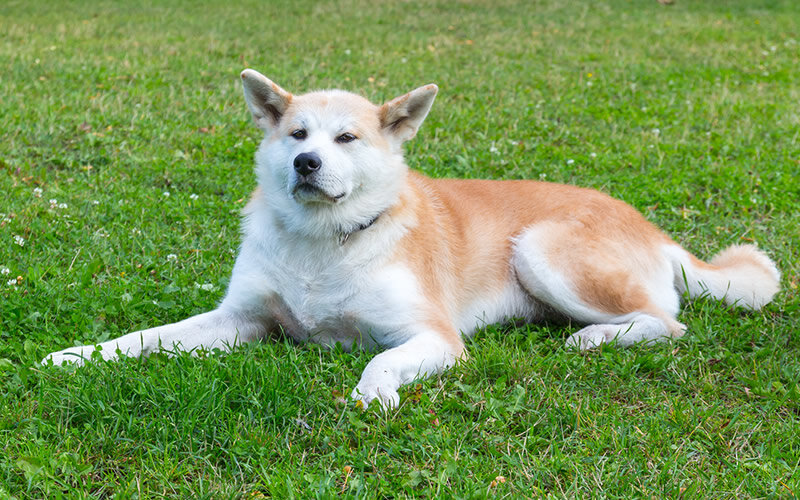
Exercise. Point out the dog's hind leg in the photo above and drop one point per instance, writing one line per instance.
(622, 289)
(626, 331)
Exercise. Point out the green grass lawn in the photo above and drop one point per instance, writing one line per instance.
(126, 155)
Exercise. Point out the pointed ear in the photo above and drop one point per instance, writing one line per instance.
(402, 116)
(266, 100)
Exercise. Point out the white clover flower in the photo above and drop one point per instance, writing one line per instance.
(62, 205)
(494, 149)
(53, 203)
(4, 270)
(19, 240)
(95, 202)
(172, 257)
(570, 161)
(593, 155)
(166, 194)
(11, 282)
(37, 192)
(656, 131)
(193, 196)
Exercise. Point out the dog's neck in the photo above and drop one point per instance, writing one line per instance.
(344, 235)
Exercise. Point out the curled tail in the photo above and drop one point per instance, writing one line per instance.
(740, 275)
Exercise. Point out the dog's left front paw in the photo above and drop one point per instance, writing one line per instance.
(367, 392)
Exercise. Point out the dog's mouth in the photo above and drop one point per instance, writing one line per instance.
(306, 192)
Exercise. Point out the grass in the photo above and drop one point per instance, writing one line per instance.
(687, 112)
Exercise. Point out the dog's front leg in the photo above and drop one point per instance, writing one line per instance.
(219, 328)
(424, 354)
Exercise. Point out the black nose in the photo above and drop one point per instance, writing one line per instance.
(305, 163)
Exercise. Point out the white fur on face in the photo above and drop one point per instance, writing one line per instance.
(356, 181)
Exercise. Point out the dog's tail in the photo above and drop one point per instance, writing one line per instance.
(740, 275)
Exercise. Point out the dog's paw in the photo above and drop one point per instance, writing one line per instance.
(367, 392)
(74, 355)
(593, 336)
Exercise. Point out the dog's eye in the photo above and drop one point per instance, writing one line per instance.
(345, 138)
(299, 134)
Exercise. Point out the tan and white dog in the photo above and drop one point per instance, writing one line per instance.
(343, 243)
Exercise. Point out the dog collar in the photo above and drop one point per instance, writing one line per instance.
(343, 237)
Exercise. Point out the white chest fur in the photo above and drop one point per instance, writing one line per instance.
(325, 292)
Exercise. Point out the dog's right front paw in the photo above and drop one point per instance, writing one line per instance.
(74, 355)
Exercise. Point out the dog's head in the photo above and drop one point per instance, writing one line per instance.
(331, 158)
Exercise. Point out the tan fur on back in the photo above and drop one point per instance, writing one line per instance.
(469, 226)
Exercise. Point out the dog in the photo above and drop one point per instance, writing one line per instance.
(343, 243)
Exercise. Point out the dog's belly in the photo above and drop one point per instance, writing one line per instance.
(512, 302)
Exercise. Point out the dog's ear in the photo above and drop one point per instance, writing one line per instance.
(402, 116)
(266, 100)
